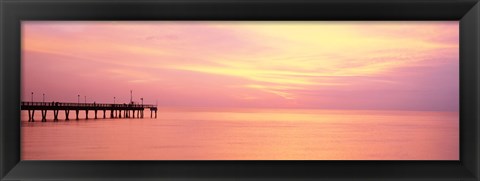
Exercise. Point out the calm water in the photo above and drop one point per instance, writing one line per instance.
(246, 134)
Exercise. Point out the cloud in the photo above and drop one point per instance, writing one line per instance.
(349, 65)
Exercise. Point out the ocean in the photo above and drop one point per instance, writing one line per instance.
(245, 134)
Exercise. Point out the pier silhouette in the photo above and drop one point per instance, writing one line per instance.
(115, 110)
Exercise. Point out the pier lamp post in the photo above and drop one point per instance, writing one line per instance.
(44, 98)
(85, 99)
(113, 100)
(32, 96)
(142, 100)
(78, 98)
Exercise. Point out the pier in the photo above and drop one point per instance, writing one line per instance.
(114, 110)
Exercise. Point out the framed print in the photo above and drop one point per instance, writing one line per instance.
(248, 90)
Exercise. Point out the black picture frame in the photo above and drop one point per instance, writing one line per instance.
(12, 12)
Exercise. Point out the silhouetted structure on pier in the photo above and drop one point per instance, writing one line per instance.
(116, 110)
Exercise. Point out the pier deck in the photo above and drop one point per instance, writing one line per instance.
(115, 110)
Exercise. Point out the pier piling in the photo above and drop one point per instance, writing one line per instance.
(67, 112)
(55, 115)
(44, 115)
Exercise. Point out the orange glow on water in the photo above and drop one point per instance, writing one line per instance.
(249, 134)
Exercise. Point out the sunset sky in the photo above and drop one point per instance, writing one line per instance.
(316, 65)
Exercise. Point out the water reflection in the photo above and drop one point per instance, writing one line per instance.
(196, 134)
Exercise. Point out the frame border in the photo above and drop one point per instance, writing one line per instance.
(12, 12)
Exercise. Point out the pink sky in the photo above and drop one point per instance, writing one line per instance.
(325, 65)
